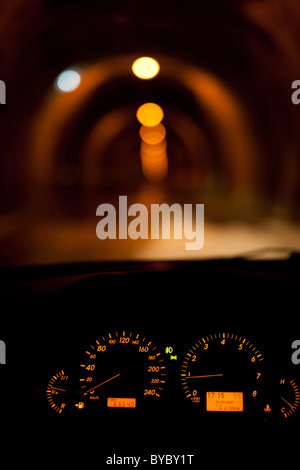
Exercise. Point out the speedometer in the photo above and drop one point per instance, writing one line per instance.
(121, 369)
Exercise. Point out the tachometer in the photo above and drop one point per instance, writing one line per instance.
(121, 370)
(223, 373)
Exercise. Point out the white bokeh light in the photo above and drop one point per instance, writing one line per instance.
(68, 81)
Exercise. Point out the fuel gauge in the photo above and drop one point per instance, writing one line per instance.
(58, 391)
(289, 397)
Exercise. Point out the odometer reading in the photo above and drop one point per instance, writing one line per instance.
(121, 402)
(122, 364)
(224, 401)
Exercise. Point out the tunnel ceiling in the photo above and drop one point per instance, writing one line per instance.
(41, 38)
(252, 46)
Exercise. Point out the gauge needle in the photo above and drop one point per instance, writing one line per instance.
(101, 384)
(287, 402)
(61, 389)
(201, 376)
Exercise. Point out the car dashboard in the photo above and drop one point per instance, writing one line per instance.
(144, 358)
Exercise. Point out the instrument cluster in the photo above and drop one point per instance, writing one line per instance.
(174, 354)
(220, 376)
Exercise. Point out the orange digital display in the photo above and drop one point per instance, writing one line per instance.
(121, 402)
(224, 401)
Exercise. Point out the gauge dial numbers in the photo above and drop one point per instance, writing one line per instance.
(223, 373)
(58, 390)
(289, 397)
(122, 370)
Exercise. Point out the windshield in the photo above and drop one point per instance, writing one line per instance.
(190, 153)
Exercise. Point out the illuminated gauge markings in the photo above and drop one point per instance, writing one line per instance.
(57, 391)
(223, 372)
(121, 370)
(289, 397)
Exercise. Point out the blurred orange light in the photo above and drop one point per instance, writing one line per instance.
(155, 172)
(150, 114)
(145, 68)
(153, 150)
(153, 161)
(153, 135)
